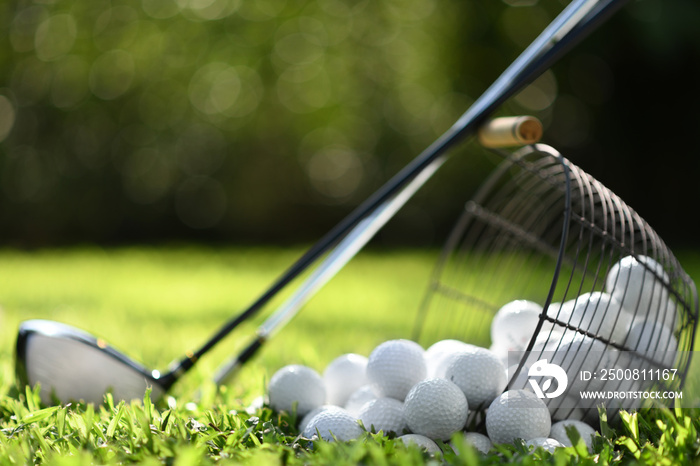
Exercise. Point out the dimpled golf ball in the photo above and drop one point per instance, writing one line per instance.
(639, 284)
(438, 354)
(654, 340)
(582, 353)
(383, 414)
(514, 324)
(296, 384)
(436, 408)
(601, 314)
(359, 398)
(332, 423)
(343, 376)
(395, 366)
(586, 432)
(479, 374)
(478, 441)
(548, 444)
(311, 414)
(517, 414)
(421, 441)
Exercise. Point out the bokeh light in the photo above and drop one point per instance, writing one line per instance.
(55, 37)
(111, 74)
(227, 116)
(7, 117)
(540, 94)
(335, 171)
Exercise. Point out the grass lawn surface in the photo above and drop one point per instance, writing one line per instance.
(155, 304)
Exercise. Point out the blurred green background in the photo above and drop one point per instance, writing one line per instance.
(150, 121)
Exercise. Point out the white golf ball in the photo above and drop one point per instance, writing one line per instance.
(359, 398)
(311, 414)
(581, 353)
(331, 423)
(343, 376)
(561, 312)
(654, 340)
(501, 353)
(296, 384)
(479, 374)
(514, 324)
(436, 408)
(667, 315)
(422, 442)
(602, 315)
(479, 441)
(586, 432)
(395, 366)
(552, 342)
(521, 381)
(640, 285)
(383, 414)
(548, 444)
(517, 414)
(437, 354)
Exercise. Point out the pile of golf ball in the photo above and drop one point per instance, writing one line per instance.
(426, 395)
(634, 311)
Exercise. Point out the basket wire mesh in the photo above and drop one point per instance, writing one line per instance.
(541, 229)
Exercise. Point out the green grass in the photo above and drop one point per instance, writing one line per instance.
(156, 303)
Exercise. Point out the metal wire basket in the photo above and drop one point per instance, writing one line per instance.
(543, 230)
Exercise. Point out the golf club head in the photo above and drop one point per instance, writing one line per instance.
(72, 365)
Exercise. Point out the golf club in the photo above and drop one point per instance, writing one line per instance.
(71, 364)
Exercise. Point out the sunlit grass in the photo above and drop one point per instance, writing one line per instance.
(157, 303)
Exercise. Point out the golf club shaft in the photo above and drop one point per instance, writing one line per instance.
(340, 256)
(346, 249)
(565, 31)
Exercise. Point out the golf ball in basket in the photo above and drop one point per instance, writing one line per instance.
(331, 423)
(581, 353)
(586, 432)
(421, 441)
(654, 340)
(640, 284)
(436, 408)
(667, 314)
(383, 414)
(559, 311)
(517, 414)
(296, 384)
(601, 314)
(395, 366)
(548, 444)
(514, 324)
(479, 374)
(343, 376)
